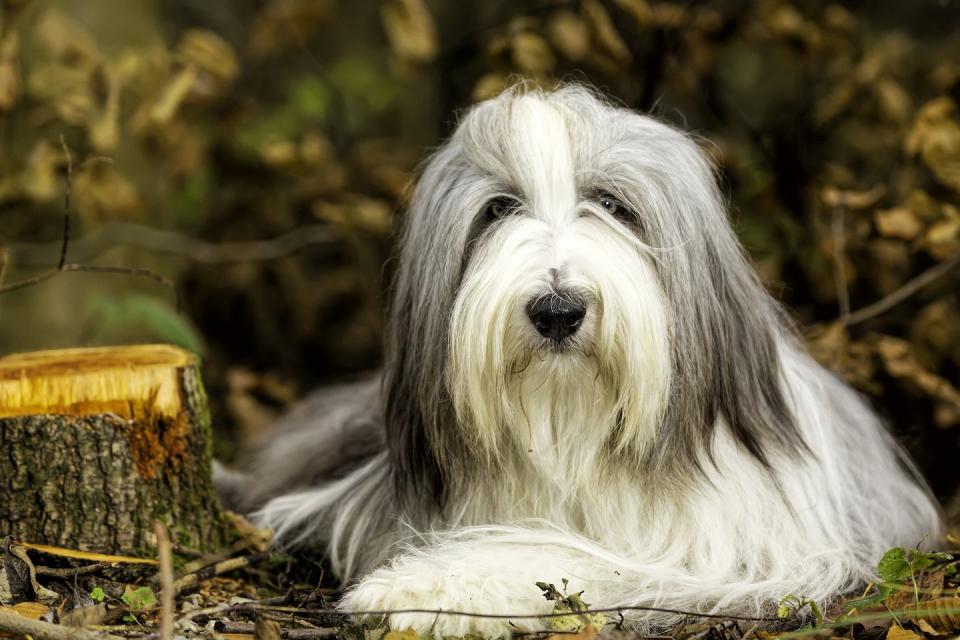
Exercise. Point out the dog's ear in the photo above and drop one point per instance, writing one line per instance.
(747, 385)
(419, 419)
(728, 332)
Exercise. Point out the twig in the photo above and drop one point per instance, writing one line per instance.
(66, 204)
(4, 261)
(174, 243)
(63, 266)
(15, 623)
(228, 626)
(72, 572)
(506, 616)
(255, 606)
(166, 581)
(908, 289)
(191, 580)
(81, 268)
(839, 268)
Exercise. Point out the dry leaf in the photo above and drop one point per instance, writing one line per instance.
(896, 632)
(898, 223)
(10, 82)
(368, 214)
(942, 239)
(40, 180)
(489, 86)
(409, 634)
(569, 34)
(410, 30)
(586, 632)
(833, 197)
(266, 629)
(639, 10)
(101, 192)
(900, 362)
(605, 33)
(286, 24)
(943, 614)
(214, 59)
(532, 54)
(936, 137)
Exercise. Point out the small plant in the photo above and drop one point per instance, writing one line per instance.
(97, 595)
(140, 598)
(792, 605)
(571, 604)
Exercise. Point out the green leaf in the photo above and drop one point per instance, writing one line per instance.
(139, 598)
(894, 566)
(97, 595)
(899, 564)
(142, 318)
(881, 594)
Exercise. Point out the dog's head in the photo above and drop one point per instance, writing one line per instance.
(566, 261)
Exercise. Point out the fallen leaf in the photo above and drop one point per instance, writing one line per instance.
(32, 610)
(943, 614)
(896, 632)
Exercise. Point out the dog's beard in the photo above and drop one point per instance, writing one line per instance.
(558, 404)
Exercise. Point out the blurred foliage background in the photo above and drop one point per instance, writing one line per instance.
(257, 153)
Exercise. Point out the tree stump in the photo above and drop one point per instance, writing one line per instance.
(97, 444)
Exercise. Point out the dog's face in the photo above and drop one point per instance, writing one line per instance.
(559, 324)
(568, 281)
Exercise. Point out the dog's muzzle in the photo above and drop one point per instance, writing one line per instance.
(555, 316)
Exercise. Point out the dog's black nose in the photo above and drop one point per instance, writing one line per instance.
(556, 317)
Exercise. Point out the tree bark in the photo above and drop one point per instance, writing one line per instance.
(98, 444)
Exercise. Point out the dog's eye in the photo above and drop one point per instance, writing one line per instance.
(612, 206)
(500, 207)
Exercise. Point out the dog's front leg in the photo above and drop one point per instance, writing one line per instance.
(472, 573)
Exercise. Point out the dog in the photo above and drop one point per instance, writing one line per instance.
(585, 383)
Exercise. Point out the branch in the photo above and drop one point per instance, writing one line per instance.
(62, 265)
(166, 581)
(81, 268)
(911, 287)
(67, 192)
(175, 243)
(15, 623)
(494, 616)
(191, 580)
(839, 268)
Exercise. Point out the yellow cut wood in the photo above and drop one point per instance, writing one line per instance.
(84, 555)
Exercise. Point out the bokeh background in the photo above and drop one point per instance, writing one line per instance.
(257, 154)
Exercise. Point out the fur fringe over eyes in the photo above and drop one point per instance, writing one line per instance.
(585, 380)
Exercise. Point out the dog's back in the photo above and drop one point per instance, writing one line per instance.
(326, 435)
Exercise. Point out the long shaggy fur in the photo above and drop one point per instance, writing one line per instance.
(680, 450)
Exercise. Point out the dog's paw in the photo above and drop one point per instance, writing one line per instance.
(418, 585)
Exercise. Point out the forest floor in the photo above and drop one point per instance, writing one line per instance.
(250, 592)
